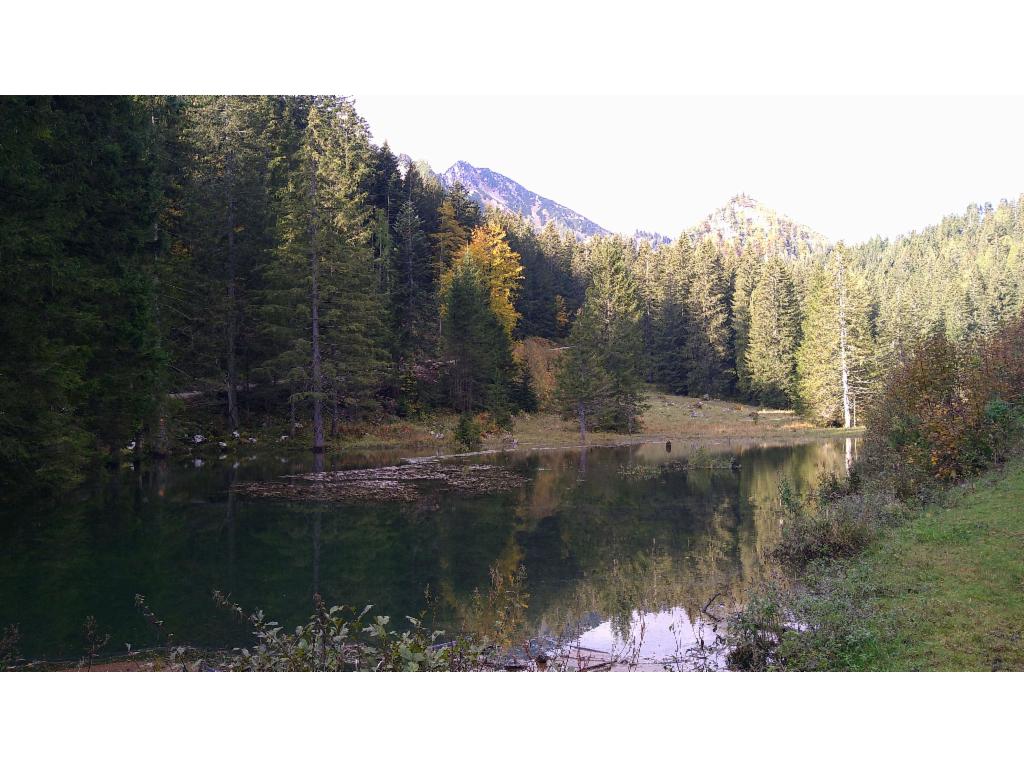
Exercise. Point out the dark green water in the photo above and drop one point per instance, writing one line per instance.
(602, 543)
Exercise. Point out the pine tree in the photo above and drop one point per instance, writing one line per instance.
(770, 355)
(834, 357)
(671, 323)
(475, 341)
(709, 348)
(335, 348)
(81, 361)
(598, 383)
(227, 234)
(747, 271)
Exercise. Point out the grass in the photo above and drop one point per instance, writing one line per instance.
(942, 592)
(669, 417)
(951, 583)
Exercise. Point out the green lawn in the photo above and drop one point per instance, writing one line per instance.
(949, 585)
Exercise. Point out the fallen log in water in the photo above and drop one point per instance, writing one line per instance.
(401, 483)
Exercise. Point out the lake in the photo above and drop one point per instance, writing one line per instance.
(621, 547)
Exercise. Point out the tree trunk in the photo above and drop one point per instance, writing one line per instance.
(843, 363)
(314, 261)
(160, 444)
(232, 327)
(581, 414)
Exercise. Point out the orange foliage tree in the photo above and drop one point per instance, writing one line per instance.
(947, 412)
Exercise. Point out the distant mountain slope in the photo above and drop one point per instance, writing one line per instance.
(488, 187)
(744, 220)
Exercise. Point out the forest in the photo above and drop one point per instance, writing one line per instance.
(265, 251)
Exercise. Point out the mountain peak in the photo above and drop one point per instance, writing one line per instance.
(743, 219)
(743, 200)
(490, 188)
(461, 166)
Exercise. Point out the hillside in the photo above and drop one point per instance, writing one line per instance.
(745, 222)
(490, 188)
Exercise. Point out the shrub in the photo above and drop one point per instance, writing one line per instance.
(838, 529)
(753, 635)
(828, 622)
(339, 640)
(469, 432)
(840, 519)
(947, 413)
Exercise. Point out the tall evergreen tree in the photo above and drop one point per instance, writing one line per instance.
(834, 357)
(227, 234)
(770, 354)
(475, 340)
(671, 325)
(78, 203)
(334, 346)
(598, 383)
(747, 272)
(709, 346)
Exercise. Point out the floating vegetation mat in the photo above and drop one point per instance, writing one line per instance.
(408, 482)
(699, 460)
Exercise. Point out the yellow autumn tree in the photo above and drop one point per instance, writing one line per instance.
(501, 266)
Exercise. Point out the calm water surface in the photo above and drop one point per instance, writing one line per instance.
(616, 548)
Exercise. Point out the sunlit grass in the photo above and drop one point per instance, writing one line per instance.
(670, 417)
(950, 584)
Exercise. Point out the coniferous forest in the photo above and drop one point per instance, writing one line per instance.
(265, 252)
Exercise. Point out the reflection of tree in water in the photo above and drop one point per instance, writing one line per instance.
(593, 544)
(675, 541)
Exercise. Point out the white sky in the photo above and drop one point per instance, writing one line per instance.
(850, 167)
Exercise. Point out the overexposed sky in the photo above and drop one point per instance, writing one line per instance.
(850, 167)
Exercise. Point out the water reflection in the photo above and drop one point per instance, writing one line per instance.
(613, 542)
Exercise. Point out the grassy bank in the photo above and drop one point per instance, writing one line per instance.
(950, 584)
(669, 417)
(942, 591)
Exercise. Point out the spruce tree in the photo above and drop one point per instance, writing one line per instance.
(671, 325)
(81, 360)
(747, 271)
(598, 382)
(226, 234)
(334, 345)
(710, 367)
(770, 354)
(476, 343)
(834, 357)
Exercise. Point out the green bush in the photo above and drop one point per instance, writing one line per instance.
(469, 432)
(753, 635)
(338, 640)
(838, 520)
